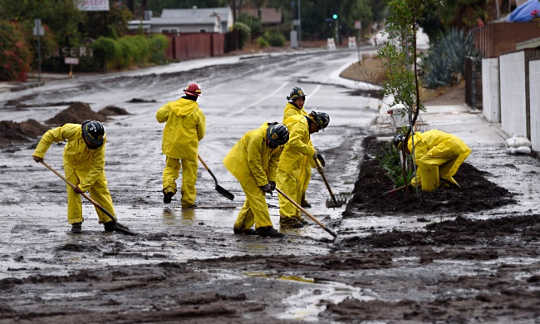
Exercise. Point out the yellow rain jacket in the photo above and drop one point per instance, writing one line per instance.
(438, 155)
(83, 167)
(253, 164)
(289, 111)
(185, 127)
(293, 163)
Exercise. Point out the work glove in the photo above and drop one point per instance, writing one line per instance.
(78, 190)
(318, 156)
(272, 185)
(37, 158)
(267, 188)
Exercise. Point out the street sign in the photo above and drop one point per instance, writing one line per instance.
(38, 28)
(296, 22)
(357, 24)
(71, 60)
(92, 5)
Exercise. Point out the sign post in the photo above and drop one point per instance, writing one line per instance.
(71, 61)
(38, 31)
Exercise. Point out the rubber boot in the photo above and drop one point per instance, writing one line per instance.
(109, 226)
(76, 228)
(167, 197)
(268, 231)
(249, 231)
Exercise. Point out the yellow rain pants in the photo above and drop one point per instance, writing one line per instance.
(185, 126)
(438, 155)
(293, 163)
(289, 111)
(83, 167)
(253, 164)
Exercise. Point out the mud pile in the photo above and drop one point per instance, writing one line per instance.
(113, 111)
(476, 192)
(15, 133)
(75, 113)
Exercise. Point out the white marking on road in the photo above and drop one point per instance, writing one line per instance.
(241, 111)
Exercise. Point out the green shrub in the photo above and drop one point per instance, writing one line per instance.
(244, 31)
(254, 23)
(390, 161)
(107, 51)
(158, 44)
(446, 58)
(15, 54)
(262, 42)
(275, 38)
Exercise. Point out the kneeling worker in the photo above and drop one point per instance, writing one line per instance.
(438, 156)
(253, 161)
(84, 163)
(296, 158)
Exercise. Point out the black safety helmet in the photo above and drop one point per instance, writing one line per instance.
(277, 134)
(398, 141)
(92, 133)
(321, 119)
(296, 93)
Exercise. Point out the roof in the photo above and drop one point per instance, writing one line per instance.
(268, 15)
(194, 15)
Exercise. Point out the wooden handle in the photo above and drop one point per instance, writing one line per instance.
(82, 193)
(207, 169)
(319, 168)
(306, 212)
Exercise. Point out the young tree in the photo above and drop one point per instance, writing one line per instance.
(400, 57)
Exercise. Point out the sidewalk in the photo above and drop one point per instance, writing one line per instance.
(32, 81)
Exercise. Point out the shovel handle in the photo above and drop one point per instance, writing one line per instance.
(321, 172)
(82, 193)
(207, 168)
(307, 213)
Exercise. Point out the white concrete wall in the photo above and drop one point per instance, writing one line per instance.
(534, 104)
(513, 102)
(491, 107)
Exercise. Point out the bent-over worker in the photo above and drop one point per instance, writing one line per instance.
(84, 166)
(438, 156)
(253, 161)
(296, 158)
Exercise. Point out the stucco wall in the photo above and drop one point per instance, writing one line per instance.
(513, 94)
(490, 90)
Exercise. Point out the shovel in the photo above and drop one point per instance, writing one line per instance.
(308, 214)
(117, 226)
(333, 202)
(224, 192)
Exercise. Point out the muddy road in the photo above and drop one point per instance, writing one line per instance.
(473, 266)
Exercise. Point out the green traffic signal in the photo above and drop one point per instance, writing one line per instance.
(335, 16)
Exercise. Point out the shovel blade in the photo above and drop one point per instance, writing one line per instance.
(224, 192)
(123, 229)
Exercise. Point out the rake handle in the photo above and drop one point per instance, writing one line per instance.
(82, 193)
(307, 213)
(321, 172)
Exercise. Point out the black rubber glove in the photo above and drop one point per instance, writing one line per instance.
(319, 157)
(272, 185)
(266, 188)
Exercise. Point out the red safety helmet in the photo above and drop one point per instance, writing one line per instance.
(193, 89)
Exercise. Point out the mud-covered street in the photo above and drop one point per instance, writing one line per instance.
(470, 258)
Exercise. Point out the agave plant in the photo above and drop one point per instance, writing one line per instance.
(446, 58)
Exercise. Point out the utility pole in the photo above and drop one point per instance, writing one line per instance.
(299, 22)
(38, 31)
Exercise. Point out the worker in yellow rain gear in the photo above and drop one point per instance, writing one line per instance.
(84, 163)
(295, 106)
(253, 161)
(185, 126)
(294, 161)
(438, 155)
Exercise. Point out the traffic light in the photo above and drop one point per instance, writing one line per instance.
(335, 16)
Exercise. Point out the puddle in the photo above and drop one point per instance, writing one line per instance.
(306, 304)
